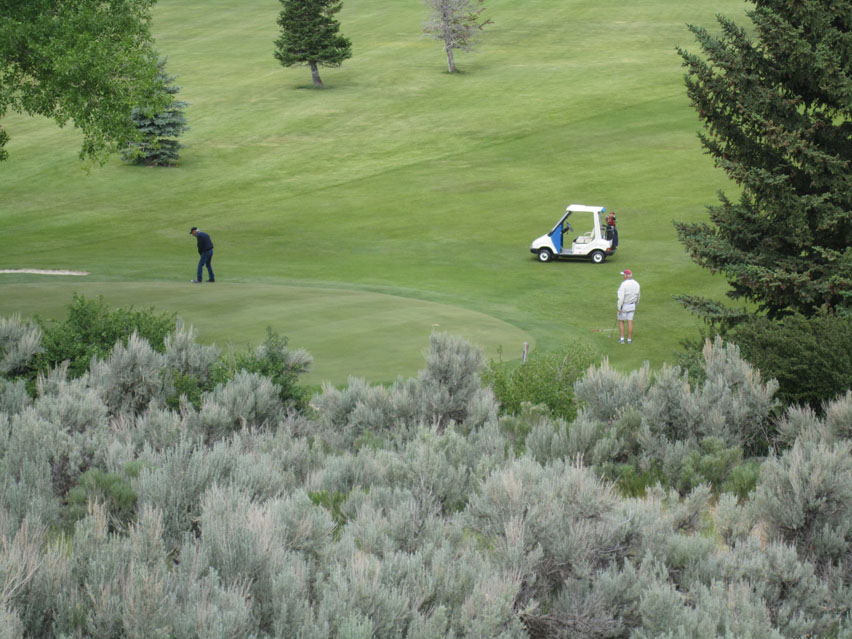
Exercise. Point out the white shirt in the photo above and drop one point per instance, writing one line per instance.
(628, 292)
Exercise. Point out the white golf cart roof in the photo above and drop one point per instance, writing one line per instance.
(578, 208)
(581, 208)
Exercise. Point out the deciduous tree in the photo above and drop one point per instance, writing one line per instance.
(88, 62)
(310, 36)
(455, 23)
(776, 103)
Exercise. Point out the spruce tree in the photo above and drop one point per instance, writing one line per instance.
(309, 36)
(776, 103)
(158, 146)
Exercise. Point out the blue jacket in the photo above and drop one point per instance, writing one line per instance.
(204, 242)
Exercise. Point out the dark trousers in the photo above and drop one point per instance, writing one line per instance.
(206, 257)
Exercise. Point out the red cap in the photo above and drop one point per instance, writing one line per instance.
(627, 272)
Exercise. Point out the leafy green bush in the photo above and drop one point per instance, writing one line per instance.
(332, 502)
(742, 479)
(92, 329)
(110, 489)
(280, 365)
(710, 463)
(546, 378)
(631, 480)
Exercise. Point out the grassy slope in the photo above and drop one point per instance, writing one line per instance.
(398, 179)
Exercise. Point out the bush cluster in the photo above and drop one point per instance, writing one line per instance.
(809, 357)
(410, 511)
(645, 428)
(546, 378)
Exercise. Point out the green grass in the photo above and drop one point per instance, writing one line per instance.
(355, 218)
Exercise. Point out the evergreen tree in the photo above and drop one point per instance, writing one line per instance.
(4, 137)
(309, 35)
(776, 103)
(157, 145)
(455, 23)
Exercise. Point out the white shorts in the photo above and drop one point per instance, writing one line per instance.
(626, 312)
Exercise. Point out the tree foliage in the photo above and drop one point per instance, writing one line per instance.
(776, 103)
(811, 358)
(158, 131)
(456, 23)
(310, 36)
(89, 62)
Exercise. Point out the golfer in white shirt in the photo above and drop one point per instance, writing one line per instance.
(628, 300)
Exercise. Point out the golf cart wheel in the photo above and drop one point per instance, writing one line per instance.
(598, 257)
(545, 255)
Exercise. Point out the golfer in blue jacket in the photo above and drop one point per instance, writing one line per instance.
(205, 250)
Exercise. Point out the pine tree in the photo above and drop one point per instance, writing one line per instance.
(309, 35)
(158, 146)
(776, 103)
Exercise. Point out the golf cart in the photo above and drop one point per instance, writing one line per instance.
(591, 244)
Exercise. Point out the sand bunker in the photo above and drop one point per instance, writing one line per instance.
(41, 271)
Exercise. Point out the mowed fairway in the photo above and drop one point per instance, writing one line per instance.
(363, 334)
(400, 199)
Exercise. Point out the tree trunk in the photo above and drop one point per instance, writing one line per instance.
(315, 75)
(451, 63)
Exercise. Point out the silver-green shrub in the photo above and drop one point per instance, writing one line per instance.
(10, 624)
(157, 428)
(410, 511)
(448, 392)
(20, 560)
(209, 609)
(174, 481)
(13, 396)
(36, 466)
(449, 385)
(733, 404)
(130, 379)
(799, 604)
(184, 355)
(20, 342)
(642, 428)
(604, 393)
(555, 526)
(248, 400)
(804, 498)
(74, 404)
(802, 422)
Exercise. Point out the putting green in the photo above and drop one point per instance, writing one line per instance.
(348, 332)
